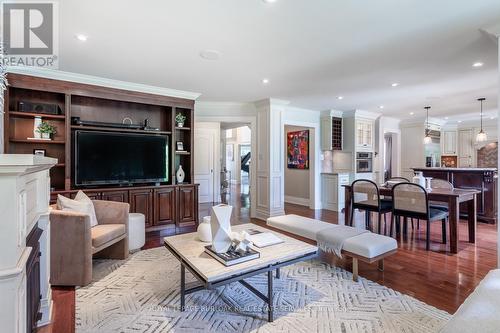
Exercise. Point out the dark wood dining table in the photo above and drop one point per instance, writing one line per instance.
(452, 197)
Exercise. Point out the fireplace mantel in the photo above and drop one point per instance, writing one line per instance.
(24, 198)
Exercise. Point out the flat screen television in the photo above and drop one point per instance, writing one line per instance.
(103, 158)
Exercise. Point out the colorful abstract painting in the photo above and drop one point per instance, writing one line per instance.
(298, 150)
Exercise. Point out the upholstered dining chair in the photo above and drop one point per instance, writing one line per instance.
(437, 183)
(365, 196)
(411, 200)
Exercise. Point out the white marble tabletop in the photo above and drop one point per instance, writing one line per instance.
(192, 250)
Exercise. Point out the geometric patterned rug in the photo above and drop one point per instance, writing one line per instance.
(141, 294)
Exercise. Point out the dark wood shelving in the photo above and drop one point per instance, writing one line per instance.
(124, 130)
(183, 128)
(60, 165)
(32, 115)
(182, 152)
(56, 142)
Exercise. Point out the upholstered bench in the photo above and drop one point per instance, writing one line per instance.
(367, 247)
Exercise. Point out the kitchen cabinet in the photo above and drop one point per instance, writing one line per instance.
(120, 196)
(364, 134)
(332, 191)
(449, 142)
(465, 148)
(331, 133)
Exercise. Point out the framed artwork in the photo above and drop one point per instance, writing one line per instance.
(39, 152)
(230, 152)
(297, 144)
(180, 146)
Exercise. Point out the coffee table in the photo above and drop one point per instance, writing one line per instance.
(211, 274)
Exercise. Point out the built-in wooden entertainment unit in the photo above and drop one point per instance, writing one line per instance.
(165, 205)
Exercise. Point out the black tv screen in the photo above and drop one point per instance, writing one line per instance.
(115, 158)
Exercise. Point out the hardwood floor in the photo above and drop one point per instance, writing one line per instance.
(435, 277)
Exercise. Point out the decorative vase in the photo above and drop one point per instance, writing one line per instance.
(220, 222)
(180, 124)
(205, 230)
(180, 174)
(46, 136)
(37, 122)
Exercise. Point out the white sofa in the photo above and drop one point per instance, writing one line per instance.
(480, 313)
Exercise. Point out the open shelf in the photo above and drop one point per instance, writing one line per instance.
(56, 142)
(124, 130)
(178, 152)
(32, 115)
(183, 128)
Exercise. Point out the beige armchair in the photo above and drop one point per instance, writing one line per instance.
(73, 242)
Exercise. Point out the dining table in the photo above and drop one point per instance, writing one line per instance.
(453, 197)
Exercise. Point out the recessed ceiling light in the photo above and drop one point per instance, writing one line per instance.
(81, 37)
(265, 81)
(340, 97)
(446, 118)
(412, 113)
(210, 54)
(492, 118)
(269, 1)
(459, 121)
(380, 106)
(395, 84)
(477, 64)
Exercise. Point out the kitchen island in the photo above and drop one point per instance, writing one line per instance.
(482, 179)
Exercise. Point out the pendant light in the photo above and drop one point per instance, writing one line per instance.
(481, 136)
(427, 138)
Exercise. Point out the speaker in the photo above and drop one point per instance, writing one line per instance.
(38, 108)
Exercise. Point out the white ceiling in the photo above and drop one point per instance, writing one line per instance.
(311, 50)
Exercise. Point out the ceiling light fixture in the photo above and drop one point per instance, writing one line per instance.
(395, 84)
(477, 64)
(481, 136)
(446, 118)
(412, 113)
(381, 106)
(340, 97)
(459, 121)
(265, 81)
(210, 54)
(81, 37)
(427, 138)
(269, 1)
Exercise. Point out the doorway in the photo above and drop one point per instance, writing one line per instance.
(236, 157)
(390, 156)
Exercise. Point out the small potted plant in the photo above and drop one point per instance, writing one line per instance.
(180, 119)
(46, 130)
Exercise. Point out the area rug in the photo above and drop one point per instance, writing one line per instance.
(141, 294)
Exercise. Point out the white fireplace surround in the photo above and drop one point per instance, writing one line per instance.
(24, 202)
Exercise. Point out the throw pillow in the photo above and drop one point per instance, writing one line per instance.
(82, 204)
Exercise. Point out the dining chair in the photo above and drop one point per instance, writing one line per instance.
(437, 183)
(389, 198)
(411, 200)
(400, 178)
(365, 196)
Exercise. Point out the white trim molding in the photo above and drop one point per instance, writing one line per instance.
(99, 81)
(297, 200)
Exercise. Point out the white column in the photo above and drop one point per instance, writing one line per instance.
(270, 181)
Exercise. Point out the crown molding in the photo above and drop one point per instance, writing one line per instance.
(99, 81)
(362, 114)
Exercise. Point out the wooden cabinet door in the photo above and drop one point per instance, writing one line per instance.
(90, 194)
(187, 213)
(120, 196)
(449, 143)
(326, 133)
(141, 201)
(164, 206)
(465, 148)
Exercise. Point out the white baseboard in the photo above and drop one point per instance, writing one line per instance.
(297, 200)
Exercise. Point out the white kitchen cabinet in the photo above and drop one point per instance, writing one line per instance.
(365, 134)
(465, 148)
(326, 133)
(333, 194)
(449, 142)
